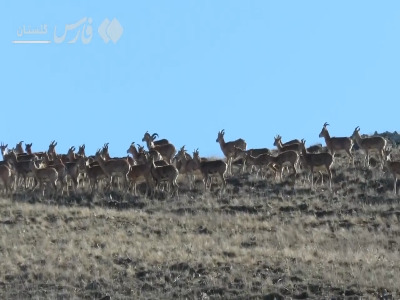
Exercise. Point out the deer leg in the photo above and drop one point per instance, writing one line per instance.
(330, 178)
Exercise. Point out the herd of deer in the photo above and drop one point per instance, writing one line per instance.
(161, 163)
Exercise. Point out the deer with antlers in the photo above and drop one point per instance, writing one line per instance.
(188, 165)
(167, 150)
(335, 144)
(228, 148)
(114, 168)
(291, 145)
(368, 144)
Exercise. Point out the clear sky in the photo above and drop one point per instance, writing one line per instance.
(187, 69)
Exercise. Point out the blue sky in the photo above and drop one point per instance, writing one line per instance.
(187, 69)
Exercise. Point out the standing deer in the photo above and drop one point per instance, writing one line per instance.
(335, 144)
(228, 148)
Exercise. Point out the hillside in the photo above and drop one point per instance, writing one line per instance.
(262, 239)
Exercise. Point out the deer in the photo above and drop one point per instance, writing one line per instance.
(59, 166)
(158, 158)
(393, 167)
(139, 157)
(335, 144)
(228, 148)
(106, 155)
(21, 168)
(317, 161)
(6, 178)
(167, 173)
(317, 148)
(44, 175)
(81, 151)
(376, 143)
(21, 154)
(142, 170)
(291, 145)
(253, 158)
(158, 142)
(28, 149)
(94, 173)
(77, 159)
(71, 155)
(294, 141)
(72, 168)
(18, 149)
(209, 168)
(288, 158)
(52, 150)
(167, 151)
(114, 167)
(178, 159)
(3, 149)
(188, 165)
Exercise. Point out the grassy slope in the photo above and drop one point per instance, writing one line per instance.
(259, 240)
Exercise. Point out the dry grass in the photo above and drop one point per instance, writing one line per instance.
(260, 240)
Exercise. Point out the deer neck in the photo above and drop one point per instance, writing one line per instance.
(101, 162)
(134, 152)
(327, 138)
(279, 144)
(197, 160)
(3, 153)
(303, 151)
(19, 149)
(358, 138)
(184, 159)
(71, 156)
